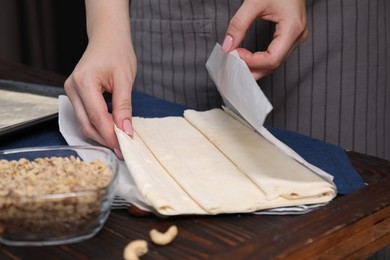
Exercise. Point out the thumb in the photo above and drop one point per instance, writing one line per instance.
(121, 107)
(239, 25)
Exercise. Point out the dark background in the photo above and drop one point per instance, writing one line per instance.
(45, 34)
(71, 36)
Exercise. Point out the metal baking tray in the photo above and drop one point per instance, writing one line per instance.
(24, 105)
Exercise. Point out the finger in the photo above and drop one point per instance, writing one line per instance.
(121, 103)
(97, 111)
(280, 48)
(260, 73)
(257, 73)
(240, 24)
(87, 128)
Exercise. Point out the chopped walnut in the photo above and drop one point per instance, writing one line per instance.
(34, 199)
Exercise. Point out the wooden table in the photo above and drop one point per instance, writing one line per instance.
(352, 226)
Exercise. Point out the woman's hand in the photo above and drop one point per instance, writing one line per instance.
(291, 30)
(108, 65)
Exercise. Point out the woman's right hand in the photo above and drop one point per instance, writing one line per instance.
(107, 65)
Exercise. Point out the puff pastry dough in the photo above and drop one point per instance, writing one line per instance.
(209, 163)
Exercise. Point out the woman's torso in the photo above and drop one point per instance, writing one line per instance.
(334, 87)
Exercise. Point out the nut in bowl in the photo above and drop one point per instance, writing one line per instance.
(55, 195)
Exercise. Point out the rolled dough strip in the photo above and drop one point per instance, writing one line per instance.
(158, 189)
(198, 166)
(275, 173)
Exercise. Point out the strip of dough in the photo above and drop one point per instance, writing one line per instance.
(198, 166)
(275, 173)
(179, 171)
(160, 191)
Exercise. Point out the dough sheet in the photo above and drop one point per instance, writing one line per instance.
(209, 163)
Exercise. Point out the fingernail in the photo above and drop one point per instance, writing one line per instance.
(227, 43)
(118, 153)
(127, 127)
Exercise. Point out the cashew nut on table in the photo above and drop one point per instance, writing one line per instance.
(135, 249)
(163, 238)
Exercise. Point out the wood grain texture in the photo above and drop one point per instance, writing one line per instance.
(372, 169)
(352, 226)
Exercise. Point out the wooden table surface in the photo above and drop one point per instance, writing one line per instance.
(352, 226)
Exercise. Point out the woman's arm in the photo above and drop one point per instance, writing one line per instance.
(107, 65)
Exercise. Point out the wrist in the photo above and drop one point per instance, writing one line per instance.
(107, 19)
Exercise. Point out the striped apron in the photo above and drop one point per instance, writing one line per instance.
(335, 87)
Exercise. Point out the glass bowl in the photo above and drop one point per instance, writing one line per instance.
(56, 194)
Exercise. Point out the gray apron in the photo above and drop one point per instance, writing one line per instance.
(334, 87)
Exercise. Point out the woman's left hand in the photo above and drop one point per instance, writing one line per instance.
(290, 31)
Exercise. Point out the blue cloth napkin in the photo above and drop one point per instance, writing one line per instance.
(149, 106)
(328, 157)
